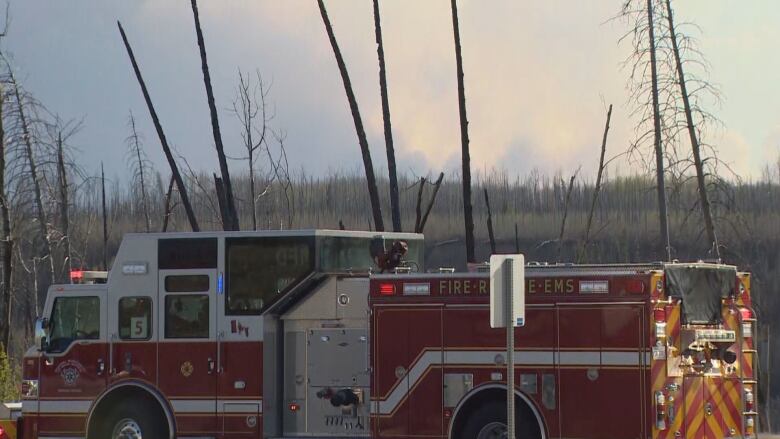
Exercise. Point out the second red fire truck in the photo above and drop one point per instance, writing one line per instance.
(293, 334)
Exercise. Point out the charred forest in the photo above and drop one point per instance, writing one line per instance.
(680, 201)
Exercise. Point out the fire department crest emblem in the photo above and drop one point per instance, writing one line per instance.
(70, 371)
(186, 369)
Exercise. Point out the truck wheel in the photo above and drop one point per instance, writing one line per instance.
(489, 422)
(135, 421)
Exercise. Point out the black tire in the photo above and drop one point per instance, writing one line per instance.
(141, 415)
(526, 426)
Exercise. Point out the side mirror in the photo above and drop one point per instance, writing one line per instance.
(42, 333)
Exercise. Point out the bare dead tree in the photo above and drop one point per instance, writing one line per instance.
(424, 220)
(373, 192)
(168, 208)
(43, 245)
(62, 175)
(6, 252)
(704, 201)
(219, 188)
(5, 237)
(565, 212)
(491, 236)
(229, 222)
(468, 215)
(643, 59)
(418, 209)
(163, 141)
(517, 240)
(140, 167)
(105, 216)
(251, 111)
(585, 241)
(659, 155)
(280, 167)
(395, 204)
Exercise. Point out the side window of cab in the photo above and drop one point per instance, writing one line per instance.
(72, 319)
(135, 318)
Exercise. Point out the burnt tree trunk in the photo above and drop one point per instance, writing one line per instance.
(706, 208)
(468, 215)
(565, 215)
(490, 225)
(659, 154)
(418, 209)
(373, 193)
(105, 217)
(6, 251)
(43, 277)
(596, 190)
(230, 221)
(168, 209)
(219, 188)
(395, 204)
(185, 200)
(64, 218)
(428, 209)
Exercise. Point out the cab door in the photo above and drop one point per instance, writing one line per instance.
(74, 366)
(187, 351)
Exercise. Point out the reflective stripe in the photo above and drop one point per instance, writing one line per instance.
(179, 406)
(217, 406)
(522, 358)
(64, 406)
(581, 358)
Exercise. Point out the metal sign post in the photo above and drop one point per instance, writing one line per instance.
(507, 309)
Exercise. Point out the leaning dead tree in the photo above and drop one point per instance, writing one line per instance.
(168, 209)
(373, 192)
(395, 204)
(693, 135)
(422, 217)
(468, 215)
(230, 214)
(43, 245)
(491, 235)
(161, 135)
(581, 256)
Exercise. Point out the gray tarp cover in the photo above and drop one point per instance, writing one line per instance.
(701, 289)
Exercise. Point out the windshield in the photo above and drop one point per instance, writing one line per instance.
(74, 318)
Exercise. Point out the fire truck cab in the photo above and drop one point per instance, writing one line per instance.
(293, 334)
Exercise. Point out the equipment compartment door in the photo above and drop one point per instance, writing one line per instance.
(693, 388)
(390, 381)
(721, 408)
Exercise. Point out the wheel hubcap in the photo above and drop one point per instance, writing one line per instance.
(127, 429)
(493, 430)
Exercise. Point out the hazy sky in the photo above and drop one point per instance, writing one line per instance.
(538, 76)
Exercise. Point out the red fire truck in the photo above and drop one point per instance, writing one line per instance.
(301, 334)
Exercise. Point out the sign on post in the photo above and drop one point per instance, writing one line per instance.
(507, 310)
(507, 276)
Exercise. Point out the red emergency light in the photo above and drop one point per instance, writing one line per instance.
(76, 275)
(386, 289)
